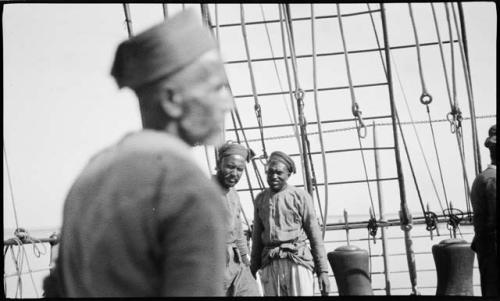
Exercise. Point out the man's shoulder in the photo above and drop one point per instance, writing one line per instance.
(488, 174)
(299, 192)
(150, 142)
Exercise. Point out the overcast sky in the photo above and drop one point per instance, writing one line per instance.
(61, 105)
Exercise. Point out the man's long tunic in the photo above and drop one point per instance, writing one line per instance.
(283, 222)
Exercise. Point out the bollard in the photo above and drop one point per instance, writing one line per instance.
(454, 260)
(350, 267)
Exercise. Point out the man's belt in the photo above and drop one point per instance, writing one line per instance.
(283, 250)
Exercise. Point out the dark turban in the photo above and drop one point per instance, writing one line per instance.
(161, 50)
(231, 148)
(492, 137)
(283, 158)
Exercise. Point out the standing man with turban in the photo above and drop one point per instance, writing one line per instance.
(231, 163)
(142, 220)
(284, 219)
(484, 204)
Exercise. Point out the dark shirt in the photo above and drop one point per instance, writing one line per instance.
(484, 201)
(142, 220)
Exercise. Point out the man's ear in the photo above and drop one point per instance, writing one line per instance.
(171, 102)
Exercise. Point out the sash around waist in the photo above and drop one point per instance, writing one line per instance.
(298, 252)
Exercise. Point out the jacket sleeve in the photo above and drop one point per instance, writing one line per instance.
(257, 245)
(313, 232)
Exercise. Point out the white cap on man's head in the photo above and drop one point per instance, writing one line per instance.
(161, 50)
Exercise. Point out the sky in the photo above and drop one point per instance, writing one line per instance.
(61, 105)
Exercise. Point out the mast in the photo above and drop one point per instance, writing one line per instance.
(404, 214)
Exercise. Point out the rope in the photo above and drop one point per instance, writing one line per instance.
(165, 11)
(257, 108)
(246, 173)
(315, 183)
(417, 136)
(291, 117)
(299, 97)
(238, 118)
(318, 118)
(206, 13)
(20, 236)
(455, 115)
(437, 155)
(468, 85)
(425, 98)
(411, 165)
(369, 255)
(10, 185)
(128, 19)
(217, 33)
(453, 102)
(354, 105)
(235, 108)
(477, 156)
(287, 68)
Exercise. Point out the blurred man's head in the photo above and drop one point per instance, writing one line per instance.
(231, 163)
(279, 168)
(491, 143)
(177, 73)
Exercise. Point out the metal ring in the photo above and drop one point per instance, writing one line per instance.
(425, 98)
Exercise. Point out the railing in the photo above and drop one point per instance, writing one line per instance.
(335, 237)
(398, 271)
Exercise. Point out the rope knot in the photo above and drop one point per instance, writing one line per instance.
(21, 233)
(372, 226)
(356, 112)
(299, 94)
(455, 216)
(430, 220)
(258, 109)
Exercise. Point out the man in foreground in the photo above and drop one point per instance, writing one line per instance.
(142, 220)
(284, 219)
(231, 163)
(484, 204)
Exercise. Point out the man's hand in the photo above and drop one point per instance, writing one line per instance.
(324, 283)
